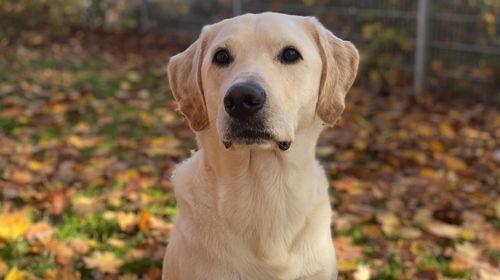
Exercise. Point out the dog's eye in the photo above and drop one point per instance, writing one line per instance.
(222, 57)
(290, 55)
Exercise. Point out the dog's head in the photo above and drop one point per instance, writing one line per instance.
(260, 79)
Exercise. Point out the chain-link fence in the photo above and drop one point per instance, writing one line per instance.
(449, 47)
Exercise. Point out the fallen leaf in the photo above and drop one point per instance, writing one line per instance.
(468, 249)
(21, 177)
(63, 273)
(346, 265)
(3, 267)
(39, 231)
(443, 230)
(14, 225)
(390, 223)
(362, 272)
(86, 205)
(134, 255)
(454, 163)
(15, 274)
(144, 220)
(152, 273)
(79, 246)
(105, 262)
(116, 242)
(409, 233)
(128, 276)
(126, 221)
(345, 251)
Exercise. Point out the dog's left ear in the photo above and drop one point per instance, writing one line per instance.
(340, 66)
(185, 81)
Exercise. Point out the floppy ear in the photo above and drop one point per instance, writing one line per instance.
(340, 65)
(185, 81)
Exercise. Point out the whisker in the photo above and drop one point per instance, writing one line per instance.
(207, 121)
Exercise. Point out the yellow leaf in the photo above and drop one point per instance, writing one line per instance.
(105, 262)
(489, 17)
(372, 231)
(15, 274)
(424, 131)
(13, 225)
(82, 127)
(145, 118)
(345, 266)
(34, 165)
(446, 130)
(469, 234)
(59, 108)
(454, 163)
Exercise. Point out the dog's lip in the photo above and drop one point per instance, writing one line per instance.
(252, 134)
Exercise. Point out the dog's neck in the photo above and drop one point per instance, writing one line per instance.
(263, 196)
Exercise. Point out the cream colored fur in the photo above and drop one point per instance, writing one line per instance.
(257, 212)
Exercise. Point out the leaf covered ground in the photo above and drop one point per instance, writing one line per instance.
(88, 142)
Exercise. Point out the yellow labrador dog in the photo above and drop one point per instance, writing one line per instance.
(253, 202)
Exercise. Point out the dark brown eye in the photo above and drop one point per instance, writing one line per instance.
(290, 55)
(221, 57)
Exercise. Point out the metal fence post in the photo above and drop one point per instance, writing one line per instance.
(144, 14)
(236, 7)
(421, 46)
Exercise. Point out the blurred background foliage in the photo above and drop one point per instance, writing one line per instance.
(464, 43)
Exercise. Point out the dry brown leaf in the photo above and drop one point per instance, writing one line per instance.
(409, 233)
(61, 251)
(128, 276)
(79, 246)
(390, 223)
(85, 205)
(468, 249)
(39, 231)
(105, 262)
(372, 231)
(21, 177)
(345, 251)
(153, 273)
(126, 221)
(116, 242)
(134, 255)
(443, 230)
(62, 273)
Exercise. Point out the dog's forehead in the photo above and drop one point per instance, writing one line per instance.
(267, 28)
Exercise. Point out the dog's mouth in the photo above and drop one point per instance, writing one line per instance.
(255, 138)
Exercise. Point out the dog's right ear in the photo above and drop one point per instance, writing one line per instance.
(185, 81)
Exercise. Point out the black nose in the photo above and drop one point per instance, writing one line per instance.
(243, 100)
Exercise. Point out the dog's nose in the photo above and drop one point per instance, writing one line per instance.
(244, 99)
